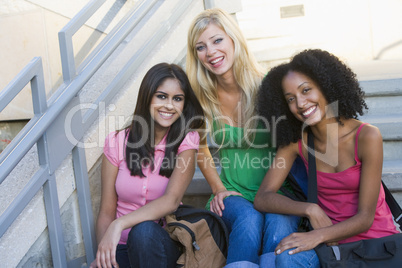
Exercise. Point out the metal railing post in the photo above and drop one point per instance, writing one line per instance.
(66, 35)
(84, 202)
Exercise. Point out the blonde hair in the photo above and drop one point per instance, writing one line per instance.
(247, 72)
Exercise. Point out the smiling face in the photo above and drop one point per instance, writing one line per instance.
(215, 50)
(304, 97)
(167, 104)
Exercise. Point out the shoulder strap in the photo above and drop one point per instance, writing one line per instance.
(312, 171)
(393, 205)
(357, 142)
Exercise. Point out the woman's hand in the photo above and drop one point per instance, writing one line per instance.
(93, 264)
(216, 204)
(308, 240)
(106, 255)
(298, 242)
(317, 217)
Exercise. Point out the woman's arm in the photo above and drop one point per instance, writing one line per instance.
(207, 166)
(154, 210)
(268, 200)
(371, 154)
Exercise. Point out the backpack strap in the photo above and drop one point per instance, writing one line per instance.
(312, 171)
(393, 205)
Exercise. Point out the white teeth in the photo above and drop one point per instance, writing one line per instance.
(216, 60)
(309, 111)
(166, 114)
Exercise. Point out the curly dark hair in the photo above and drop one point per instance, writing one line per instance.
(337, 82)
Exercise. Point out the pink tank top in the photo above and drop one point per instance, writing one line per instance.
(338, 196)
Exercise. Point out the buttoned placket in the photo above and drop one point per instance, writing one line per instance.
(145, 185)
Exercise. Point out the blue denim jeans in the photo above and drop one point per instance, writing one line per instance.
(278, 227)
(252, 233)
(302, 259)
(245, 226)
(148, 245)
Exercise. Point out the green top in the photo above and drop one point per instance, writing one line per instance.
(243, 164)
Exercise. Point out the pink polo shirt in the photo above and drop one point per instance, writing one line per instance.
(134, 192)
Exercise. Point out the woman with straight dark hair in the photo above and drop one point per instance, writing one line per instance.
(146, 169)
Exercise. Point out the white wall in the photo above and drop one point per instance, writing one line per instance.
(358, 30)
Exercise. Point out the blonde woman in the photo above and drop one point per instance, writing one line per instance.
(226, 77)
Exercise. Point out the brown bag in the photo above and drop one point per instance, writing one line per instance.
(203, 237)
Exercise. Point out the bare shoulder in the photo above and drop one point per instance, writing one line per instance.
(369, 134)
(370, 143)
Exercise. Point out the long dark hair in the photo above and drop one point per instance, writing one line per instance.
(140, 148)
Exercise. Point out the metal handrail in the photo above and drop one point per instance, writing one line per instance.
(134, 62)
(34, 132)
(66, 41)
(13, 153)
(47, 112)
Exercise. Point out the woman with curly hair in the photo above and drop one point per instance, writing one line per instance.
(318, 91)
(226, 77)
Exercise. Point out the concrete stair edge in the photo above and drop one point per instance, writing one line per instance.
(382, 87)
(390, 125)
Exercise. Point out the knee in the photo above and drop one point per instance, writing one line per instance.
(240, 213)
(141, 234)
(250, 221)
(232, 200)
(281, 224)
(285, 260)
(301, 259)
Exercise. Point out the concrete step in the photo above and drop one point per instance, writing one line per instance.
(392, 150)
(199, 185)
(384, 105)
(382, 87)
(392, 174)
(383, 97)
(390, 125)
(198, 192)
(377, 70)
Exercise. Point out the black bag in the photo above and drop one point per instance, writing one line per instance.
(202, 235)
(377, 252)
(296, 175)
(296, 193)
